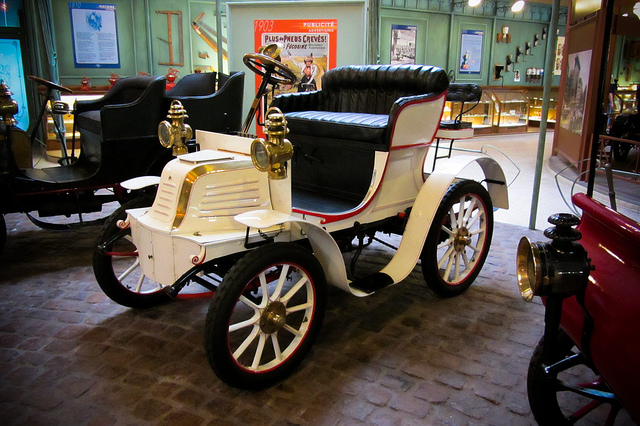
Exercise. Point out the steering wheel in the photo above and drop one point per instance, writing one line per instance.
(264, 65)
(49, 85)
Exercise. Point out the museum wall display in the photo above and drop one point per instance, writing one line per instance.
(487, 45)
(584, 79)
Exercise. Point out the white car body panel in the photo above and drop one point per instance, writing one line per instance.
(214, 203)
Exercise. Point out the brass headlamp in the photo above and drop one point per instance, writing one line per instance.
(175, 132)
(8, 107)
(560, 268)
(271, 155)
(272, 50)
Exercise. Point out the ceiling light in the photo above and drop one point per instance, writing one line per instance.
(474, 3)
(517, 6)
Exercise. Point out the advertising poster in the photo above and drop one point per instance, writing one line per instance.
(557, 69)
(309, 48)
(471, 51)
(575, 91)
(95, 35)
(403, 44)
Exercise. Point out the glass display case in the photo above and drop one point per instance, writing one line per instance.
(535, 108)
(480, 116)
(510, 111)
(446, 113)
(626, 101)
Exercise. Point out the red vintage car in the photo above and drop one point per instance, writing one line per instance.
(592, 297)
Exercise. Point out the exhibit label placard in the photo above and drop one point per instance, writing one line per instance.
(95, 35)
(471, 51)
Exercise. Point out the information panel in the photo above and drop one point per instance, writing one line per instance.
(471, 51)
(95, 35)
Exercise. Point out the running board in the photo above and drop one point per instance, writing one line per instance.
(63, 226)
(372, 283)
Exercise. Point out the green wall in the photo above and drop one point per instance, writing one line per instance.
(141, 31)
(142, 38)
(439, 29)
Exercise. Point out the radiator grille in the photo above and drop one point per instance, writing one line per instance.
(229, 200)
(164, 205)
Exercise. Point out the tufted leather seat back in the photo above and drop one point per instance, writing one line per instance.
(197, 84)
(464, 92)
(129, 89)
(373, 89)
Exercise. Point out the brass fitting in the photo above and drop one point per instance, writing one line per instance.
(272, 155)
(272, 50)
(174, 132)
(8, 107)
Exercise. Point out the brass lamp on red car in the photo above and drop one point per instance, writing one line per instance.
(560, 268)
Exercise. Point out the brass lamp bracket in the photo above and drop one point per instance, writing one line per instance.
(174, 131)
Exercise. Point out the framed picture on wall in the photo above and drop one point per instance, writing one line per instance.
(471, 51)
(95, 35)
(575, 91)
(403, 44)
(557, 69)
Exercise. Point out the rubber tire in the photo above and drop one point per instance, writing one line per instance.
(542, 396)
(103, 268)
(620, 150)
(429, 257)
(222, 306)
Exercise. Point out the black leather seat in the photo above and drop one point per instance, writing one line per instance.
(197, 84)
(463, 93)
(354, 126)
(120, 130)
(358, 101)
(336, 131)
(133, 100)
(208, 108)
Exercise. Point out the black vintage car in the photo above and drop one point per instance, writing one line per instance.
(118, 141)
(625, 126)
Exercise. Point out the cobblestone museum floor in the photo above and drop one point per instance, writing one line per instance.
(70, 356)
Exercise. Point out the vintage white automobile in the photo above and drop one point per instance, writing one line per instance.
(234, 218)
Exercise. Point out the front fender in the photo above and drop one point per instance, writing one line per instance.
(323, 245)
(140, 182)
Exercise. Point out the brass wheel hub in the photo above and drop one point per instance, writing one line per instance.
(462, 239)
(273, 318)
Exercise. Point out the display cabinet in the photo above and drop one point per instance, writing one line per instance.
(626, 101)
(510, 111)
(446, 112)
(480, 116)
(535, 98)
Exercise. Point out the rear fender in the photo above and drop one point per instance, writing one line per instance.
(427, 202)
(493, 175)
